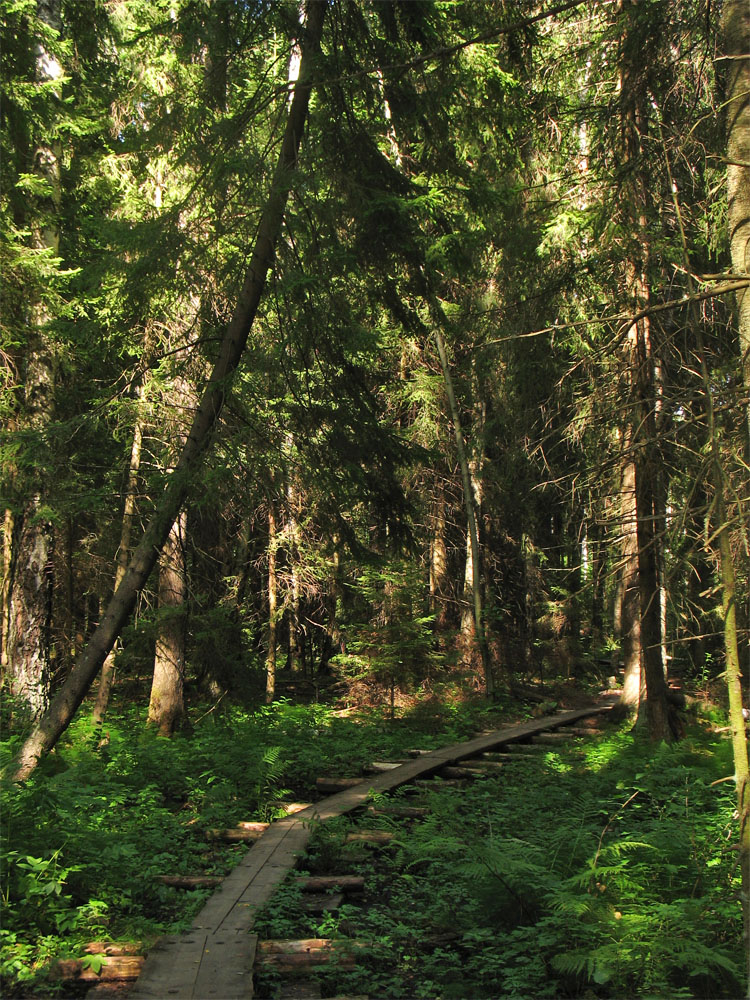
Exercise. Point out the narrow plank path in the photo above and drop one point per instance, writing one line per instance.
(215, 958)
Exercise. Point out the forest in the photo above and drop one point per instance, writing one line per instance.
(374, 372)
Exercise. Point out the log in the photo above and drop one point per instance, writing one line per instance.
(234, 835)
(190, 881)
(113, 948)
(382, 766)
(301, 955)
(254, 827)
(482, 764)
(403, 812)
(305, 961)
(461, 773)
(320, 883)
(113, 967)
(550, 739)
(332, 785)
(417, 753)
(290, 808)
(370, 837)
(436, 783)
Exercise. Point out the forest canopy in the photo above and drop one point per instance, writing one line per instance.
(377, 350)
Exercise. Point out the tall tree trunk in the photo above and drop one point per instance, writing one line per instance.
(31, 584)
(273, 606)
(628, 590)
(728, 581)
(438, 555)
(469, 501)
(46, 733)
(735, 31)
(166, 708)
(123, 556)
(634, 120)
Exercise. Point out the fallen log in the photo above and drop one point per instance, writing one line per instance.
(320, 883)
(417, 753)
(190, 881)
(255, 827)
(112, 967)
(382, 766)
(332, 785)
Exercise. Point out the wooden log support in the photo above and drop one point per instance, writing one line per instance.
(190, 881)
(329, 786)
(479, 763)
(435, 784)
(417, 753)
(254, 827)
(552, 739)
(370, 837)
(290, 808)
(114, 948)
(301, 955)
(461, 773)
(400, 812)
(321, 883)
(112, 967)
(234, 835)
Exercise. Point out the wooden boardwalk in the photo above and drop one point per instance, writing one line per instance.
(215, 958)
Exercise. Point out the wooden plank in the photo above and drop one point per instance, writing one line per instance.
(171, 968)
(226, 971)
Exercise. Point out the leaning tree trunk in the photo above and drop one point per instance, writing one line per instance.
(61, 711)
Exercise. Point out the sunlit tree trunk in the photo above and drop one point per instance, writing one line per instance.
(31, 577)
(438, 555)
(166, 708)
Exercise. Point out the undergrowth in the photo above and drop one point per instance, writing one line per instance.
(603, 871)
(84, 839)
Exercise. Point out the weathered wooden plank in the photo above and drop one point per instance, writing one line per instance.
(171, 968)
(226, 971)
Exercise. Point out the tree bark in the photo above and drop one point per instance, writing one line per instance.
(166, 708)
(123, 555)
(31, 582)
(273, 605)
(61, 711)
(735, 31)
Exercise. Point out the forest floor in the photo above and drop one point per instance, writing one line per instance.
(605, 867)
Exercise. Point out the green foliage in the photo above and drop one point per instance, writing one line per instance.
(599, 868)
